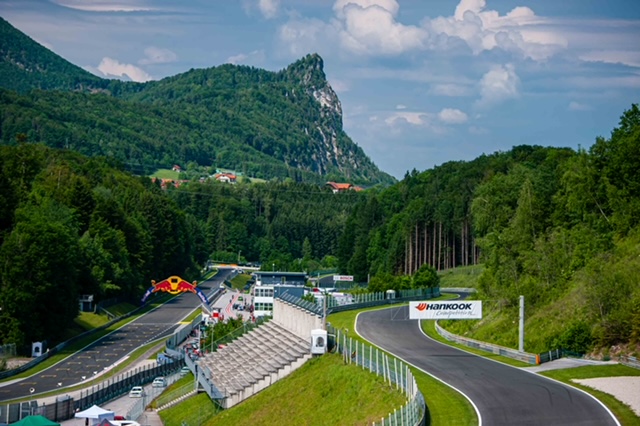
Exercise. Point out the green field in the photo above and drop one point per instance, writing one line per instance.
(166, 174)
(323, 389)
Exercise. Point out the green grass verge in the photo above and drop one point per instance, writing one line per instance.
(446, 406)
(238, 282)
(623, 412)
(324, 391)
(462, 276)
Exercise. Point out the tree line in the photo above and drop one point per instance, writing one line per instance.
(555, 225)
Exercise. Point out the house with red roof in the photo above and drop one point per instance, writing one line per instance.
(339, 187)
(225, 177)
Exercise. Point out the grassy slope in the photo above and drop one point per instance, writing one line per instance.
(240, 280)
(324, 391)
(446, 406)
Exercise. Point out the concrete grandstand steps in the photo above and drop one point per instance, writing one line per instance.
(254, 361)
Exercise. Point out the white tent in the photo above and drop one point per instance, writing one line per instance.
(96, 414)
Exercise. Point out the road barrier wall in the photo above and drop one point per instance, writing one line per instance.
(489, 347)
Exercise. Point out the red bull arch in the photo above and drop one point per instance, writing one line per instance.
(175, 285)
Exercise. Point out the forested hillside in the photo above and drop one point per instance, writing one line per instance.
(556, 226)
(270, 125)
(73, 225)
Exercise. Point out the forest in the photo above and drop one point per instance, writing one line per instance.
(557, 226)
(79, 214)
(268, 125)
(73, 225)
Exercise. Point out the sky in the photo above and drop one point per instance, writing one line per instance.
(421, 82)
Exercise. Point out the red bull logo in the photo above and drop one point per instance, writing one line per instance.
(174, 285)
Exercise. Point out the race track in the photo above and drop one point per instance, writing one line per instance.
(113, 348)
(502, 395)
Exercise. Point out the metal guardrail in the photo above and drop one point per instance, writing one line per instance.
(630, 361)
(489, 347)
(65, 407)
(304, 304)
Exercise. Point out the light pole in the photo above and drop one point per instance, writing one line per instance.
(273, 267)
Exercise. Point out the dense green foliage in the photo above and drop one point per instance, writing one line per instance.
(557, 226)
(271, 125)
(291, 225)
(71, 225)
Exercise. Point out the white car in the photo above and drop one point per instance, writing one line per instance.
(159, 382)
(136, 392)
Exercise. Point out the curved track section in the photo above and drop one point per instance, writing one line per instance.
(114, 347)
(503, 395)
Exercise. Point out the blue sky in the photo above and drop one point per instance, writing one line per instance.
(421, 82)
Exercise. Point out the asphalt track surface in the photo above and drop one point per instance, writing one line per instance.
(114, 347)
(502, 395)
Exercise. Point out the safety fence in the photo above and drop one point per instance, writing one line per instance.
(394, 372)
(64, 407)
(7, 351)
(366, 300)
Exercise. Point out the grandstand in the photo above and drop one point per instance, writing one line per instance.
(261, 357)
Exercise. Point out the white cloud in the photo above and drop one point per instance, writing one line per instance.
(269, 8)
(449, 89)
(105, 6)
(369, 27)
(112, 68)
(236, 59)
(406, 117)
(302, 36)
(520, 31)
(400, 106)
(255, 56)
(578, 106)
(498, 84)
(624, 57)
(452, 116)
(157, 55)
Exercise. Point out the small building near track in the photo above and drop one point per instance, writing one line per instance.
(269, 284)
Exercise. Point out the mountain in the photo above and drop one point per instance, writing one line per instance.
(285, 124)
(25, 65)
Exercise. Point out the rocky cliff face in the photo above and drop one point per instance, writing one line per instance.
(332, 149)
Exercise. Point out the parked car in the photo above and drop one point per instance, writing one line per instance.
(136, 392)
(184, 371)
(159, 382)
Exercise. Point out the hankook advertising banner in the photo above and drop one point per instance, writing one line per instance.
(463, 309)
